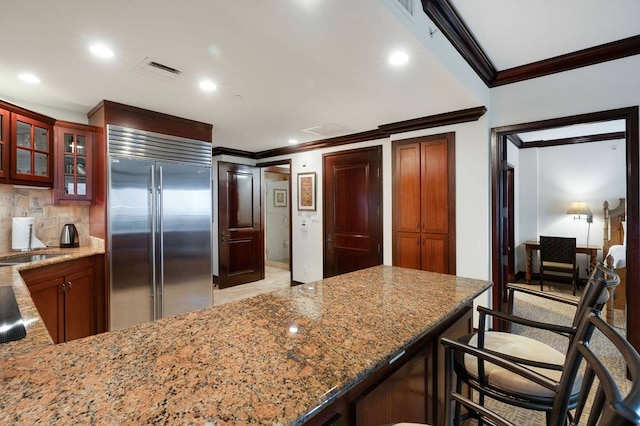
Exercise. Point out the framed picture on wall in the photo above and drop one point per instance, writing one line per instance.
(307, 191)
(279, 198)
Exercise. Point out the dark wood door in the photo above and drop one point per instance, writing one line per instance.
(240, 243)
(352, 194)
(79, 320)
(48, 296)
(508, 246)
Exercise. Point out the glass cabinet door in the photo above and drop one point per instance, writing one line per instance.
(73, 147)
(75, 164)
(33, 154)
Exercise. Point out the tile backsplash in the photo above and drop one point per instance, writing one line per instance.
(49, 218)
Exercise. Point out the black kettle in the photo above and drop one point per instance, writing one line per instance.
(69, 236)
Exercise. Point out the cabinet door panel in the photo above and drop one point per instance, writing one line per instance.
(48, 297)
(79, 320)
(435, 253)
(406, 189)
(435, 188)
(31, 154)
(400, 398)
(4, 142)
(407, 250)
(74, 161)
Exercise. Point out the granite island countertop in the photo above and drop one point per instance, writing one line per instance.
(37, 334)
(270, 359)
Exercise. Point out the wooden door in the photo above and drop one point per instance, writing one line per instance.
(406, 188)
(352, 196)
(508, 245)
(79, 320)
(48, 296)
(434, 188)
(241, 254)
(424, 203)
(435, 196)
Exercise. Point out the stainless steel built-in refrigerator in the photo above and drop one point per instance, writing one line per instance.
(159, 215)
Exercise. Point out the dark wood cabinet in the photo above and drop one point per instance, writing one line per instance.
(69, 297)
(4, 143)
(424, 203)
(26, 147)
(73, 147)
(31, 150)
(410, 388)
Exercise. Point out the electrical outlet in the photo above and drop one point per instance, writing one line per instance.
(304, 269)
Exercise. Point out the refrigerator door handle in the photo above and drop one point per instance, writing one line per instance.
(154, 225)
(161, 242)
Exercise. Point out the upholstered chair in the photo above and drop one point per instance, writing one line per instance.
(510, 387)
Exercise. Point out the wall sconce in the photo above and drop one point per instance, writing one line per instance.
(580, 208)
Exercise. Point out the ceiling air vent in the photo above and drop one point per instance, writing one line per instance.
(406, 5)
(157, 69)
(166, 68)
(328, 130)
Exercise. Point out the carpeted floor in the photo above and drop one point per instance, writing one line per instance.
(530, 307)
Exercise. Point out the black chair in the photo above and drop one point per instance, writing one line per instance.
(558, 254)
(609, 407)
(529, 353)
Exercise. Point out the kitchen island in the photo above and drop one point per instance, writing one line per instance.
(287, 357)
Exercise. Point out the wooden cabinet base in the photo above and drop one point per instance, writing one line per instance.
(409, 389)
(69, 297)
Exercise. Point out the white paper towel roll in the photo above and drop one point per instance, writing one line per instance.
(20, 234)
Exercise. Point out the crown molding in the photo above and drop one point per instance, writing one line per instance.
(582, 58)
(383, 131)
(447, 19)
(221, 150)
(573, 140)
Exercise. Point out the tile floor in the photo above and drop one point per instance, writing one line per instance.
(275, 279)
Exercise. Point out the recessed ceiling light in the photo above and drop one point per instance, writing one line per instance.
(29, 78)
(208, 85)
(398, 58)
(101, 51)
(293, 141)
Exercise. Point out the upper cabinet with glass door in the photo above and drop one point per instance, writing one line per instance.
(73, 149)
(31, 150)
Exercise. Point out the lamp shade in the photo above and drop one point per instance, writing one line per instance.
(579, 207)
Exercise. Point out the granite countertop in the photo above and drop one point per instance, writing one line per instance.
(37, 334)
(270, 359)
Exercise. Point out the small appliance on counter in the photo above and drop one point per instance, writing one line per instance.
(69, 236)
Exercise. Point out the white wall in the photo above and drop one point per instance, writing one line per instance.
(595, 88)
(472, 203)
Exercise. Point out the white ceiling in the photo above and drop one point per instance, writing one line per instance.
(514, 33)
(281, 66)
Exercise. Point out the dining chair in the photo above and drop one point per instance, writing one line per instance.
(569, 395)
(530, 353)
(558, 254)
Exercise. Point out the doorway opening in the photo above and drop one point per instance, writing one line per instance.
(276, 202)
(503, 141)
